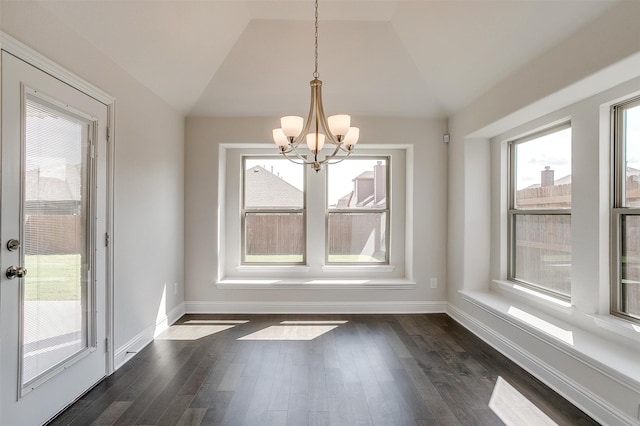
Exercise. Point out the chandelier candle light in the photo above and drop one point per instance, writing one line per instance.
(337, 128)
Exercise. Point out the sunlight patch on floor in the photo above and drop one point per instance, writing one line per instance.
(514, 409)
(191, 332)
(290, 332)
(215, 321)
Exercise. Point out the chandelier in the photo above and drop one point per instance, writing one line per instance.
(335, 129)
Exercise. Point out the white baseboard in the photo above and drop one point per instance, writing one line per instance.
(127, 351)
(314, 307)
(581, 397)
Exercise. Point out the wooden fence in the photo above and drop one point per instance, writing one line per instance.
(282, 234)
(543, 251)
(357, 233)
(53, 234)
(274, 234)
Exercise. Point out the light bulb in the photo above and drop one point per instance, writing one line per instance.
(280, 138)
(311, 141)
(339, 124)
(291, 125)
(352, 136)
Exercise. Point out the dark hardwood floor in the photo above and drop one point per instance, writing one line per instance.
(320, 370)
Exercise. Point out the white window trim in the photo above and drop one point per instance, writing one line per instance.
(398, 274)
(386, 211)
(538, 291)
(619, 210)
(244, 211)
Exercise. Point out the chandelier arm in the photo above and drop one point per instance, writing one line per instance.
(303, 134)
(323, 120)
(338, 159)
(297, 155)
(293, 160)
(286, 149)
(333, 154)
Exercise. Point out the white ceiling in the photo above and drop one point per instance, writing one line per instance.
(377, 58)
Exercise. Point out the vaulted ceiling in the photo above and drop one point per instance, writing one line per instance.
(376, 58)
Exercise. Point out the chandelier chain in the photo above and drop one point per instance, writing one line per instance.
(315, 73)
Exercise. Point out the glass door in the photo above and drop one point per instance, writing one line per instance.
(52, 288)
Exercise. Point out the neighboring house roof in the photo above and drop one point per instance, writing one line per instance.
(365, 175)
(264, 189)
(367, 200)
(49, 188)
(567, 179)
(344, 201)
(563, 180)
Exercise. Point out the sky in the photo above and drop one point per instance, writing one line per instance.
(53, 140)
(633, 137)
(553, 150)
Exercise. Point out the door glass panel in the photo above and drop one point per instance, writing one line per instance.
(55, 238)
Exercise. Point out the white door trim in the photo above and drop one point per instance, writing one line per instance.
(34, 58)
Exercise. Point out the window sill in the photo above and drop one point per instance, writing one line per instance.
(273, 268)
(358, 268)
(326, 268)
(315, 284)
(530, 295)
(617, 325)
(601, 354)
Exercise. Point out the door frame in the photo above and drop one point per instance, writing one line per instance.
(37, 60)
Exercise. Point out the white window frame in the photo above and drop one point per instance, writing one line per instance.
(231, 273)
(619, 209)
(386, 210)
(253, 210)
(514, 211)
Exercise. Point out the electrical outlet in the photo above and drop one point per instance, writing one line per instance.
(434, 283)
(175, 289)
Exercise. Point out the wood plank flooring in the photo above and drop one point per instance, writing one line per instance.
(320, 370)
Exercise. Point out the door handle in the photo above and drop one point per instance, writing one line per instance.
(16, 272)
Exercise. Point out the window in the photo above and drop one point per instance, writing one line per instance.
(273, 213)
(358, 211)
(540, 211)
(626, 211)
(281, 223)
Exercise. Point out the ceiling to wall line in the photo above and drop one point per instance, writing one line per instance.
(377, 58)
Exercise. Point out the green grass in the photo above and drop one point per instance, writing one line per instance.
(352, 258)
(52, 277)
(297, 258)
(273, 258)
(565, 258)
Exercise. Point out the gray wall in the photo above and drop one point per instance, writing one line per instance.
(203, 136)
(149, 175)
(577, 80)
